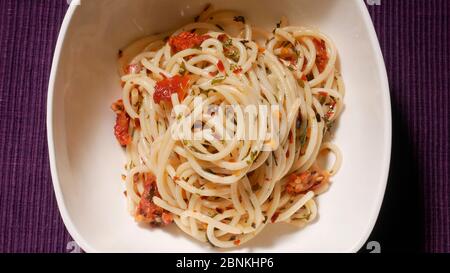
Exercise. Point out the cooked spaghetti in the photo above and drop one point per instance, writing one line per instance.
(202, 169)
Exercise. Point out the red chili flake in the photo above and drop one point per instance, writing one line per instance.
(219, 210)
(304, 78)
(291, 137)
(322, 55)
(213, 74)
(333, 105)
(165, 88)
(223, 38)
(186, 40)
(275, 216)
(237, 242)
(220, 66)
(137, 123)
(237, 70)
(122, 123)
(149, 212)
(304, 66)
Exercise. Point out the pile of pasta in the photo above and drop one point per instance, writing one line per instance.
(219, 185)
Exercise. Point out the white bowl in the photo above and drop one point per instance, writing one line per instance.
(86, 161)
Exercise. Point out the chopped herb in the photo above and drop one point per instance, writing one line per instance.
(277, 26)
(297, 53)
(254, 154)
(252, 158)
(232, 52)
(228, 42)
(244, 42)
(303, 136)
(206, 92)
(275, 159)
(329, 124)
(309, 77)
(218, 80)
(253, 225)
(322, 99)
(239, 19)
(285, 43)
(183, 69)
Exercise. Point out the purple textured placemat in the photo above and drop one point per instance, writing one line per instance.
(415, 41)
(414, 37)
(29, 217)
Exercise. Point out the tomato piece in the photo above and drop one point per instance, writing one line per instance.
(122, 123)
(165, 88)
(322, 55)
(220, 66)
(186, 40)
(306, 181)
(149, 212)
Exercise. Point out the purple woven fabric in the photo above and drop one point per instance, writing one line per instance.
(414, 37)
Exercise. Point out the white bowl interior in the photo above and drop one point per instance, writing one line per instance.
(87, 161)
